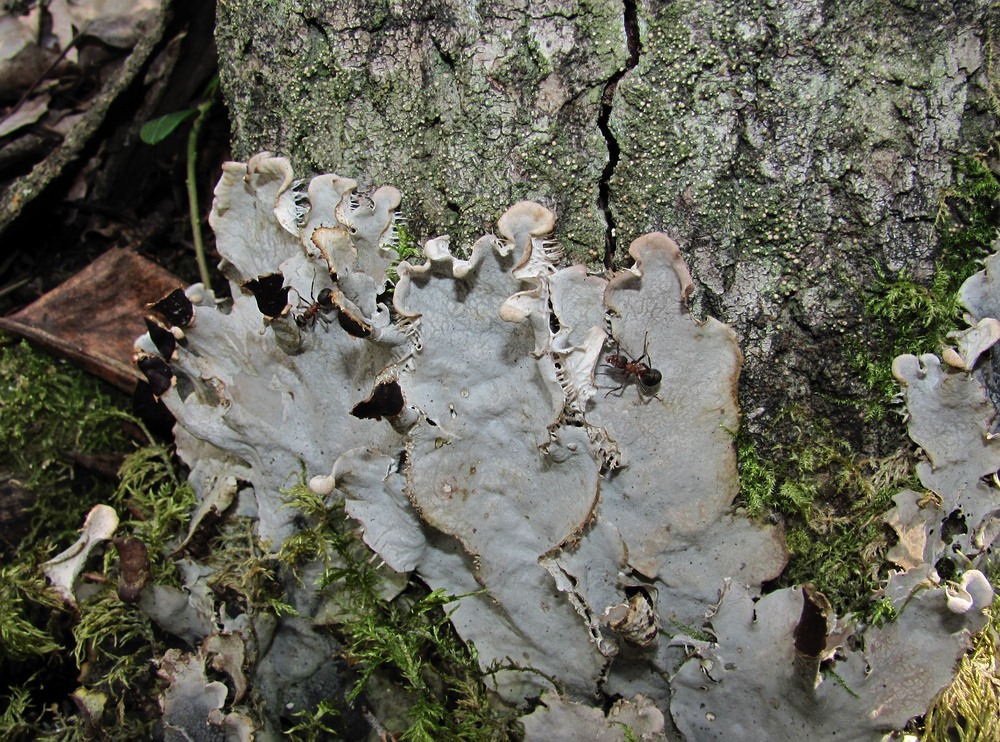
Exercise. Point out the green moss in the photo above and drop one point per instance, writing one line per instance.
(15, 721)
(832, 507)
(758, 478)
(115, 646)
(54, 418)
(967, 709)
(407, 249)
(245, 572)
(626, 730)
(27, 604)
(408, 640)
(314, 725)
(831, 500)
(907, 315)
(831, 497)
(56, 422)
(158, 502)
(59, 424)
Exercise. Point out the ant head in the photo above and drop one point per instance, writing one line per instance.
(650, 377)
(325, 298)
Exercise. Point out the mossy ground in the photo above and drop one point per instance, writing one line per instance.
(63, 435)
(911, 316)
(968, 709)
(831, 496)
(104, 649)
(67, 444)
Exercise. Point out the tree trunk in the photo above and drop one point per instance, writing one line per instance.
(788, 147)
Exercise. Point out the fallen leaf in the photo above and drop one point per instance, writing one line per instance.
(94, 317)
(24, 115)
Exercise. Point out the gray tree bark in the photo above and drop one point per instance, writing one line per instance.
(787, 146)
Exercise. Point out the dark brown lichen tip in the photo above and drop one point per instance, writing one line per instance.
(175, 307)
(270, 292)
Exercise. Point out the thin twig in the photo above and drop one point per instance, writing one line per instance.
(55, 63)
(13, 286)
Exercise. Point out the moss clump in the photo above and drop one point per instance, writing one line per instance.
(158, 501)
(63, 440)
(831, 500)
(407, 249)
(314, 725)
(831, 497)
(114, 648)
(27, 602)
(244, 572)
(407, 641)
(60, 427)
(907, 315)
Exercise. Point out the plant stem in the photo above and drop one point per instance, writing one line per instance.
(192, 187)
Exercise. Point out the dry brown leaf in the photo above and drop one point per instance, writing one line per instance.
(93, 318)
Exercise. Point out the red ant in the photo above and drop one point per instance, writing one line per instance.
(647, 376)
(323, 303)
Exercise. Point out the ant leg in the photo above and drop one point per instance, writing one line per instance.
(645, 349)
(617, 388)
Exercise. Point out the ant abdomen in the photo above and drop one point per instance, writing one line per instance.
(618, 361)
(325, 298)
(650, 377)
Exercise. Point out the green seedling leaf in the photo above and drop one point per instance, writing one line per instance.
(156, 130)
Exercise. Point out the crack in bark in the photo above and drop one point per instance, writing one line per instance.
(634, 46)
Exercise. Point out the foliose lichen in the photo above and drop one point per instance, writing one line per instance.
(553, 446)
